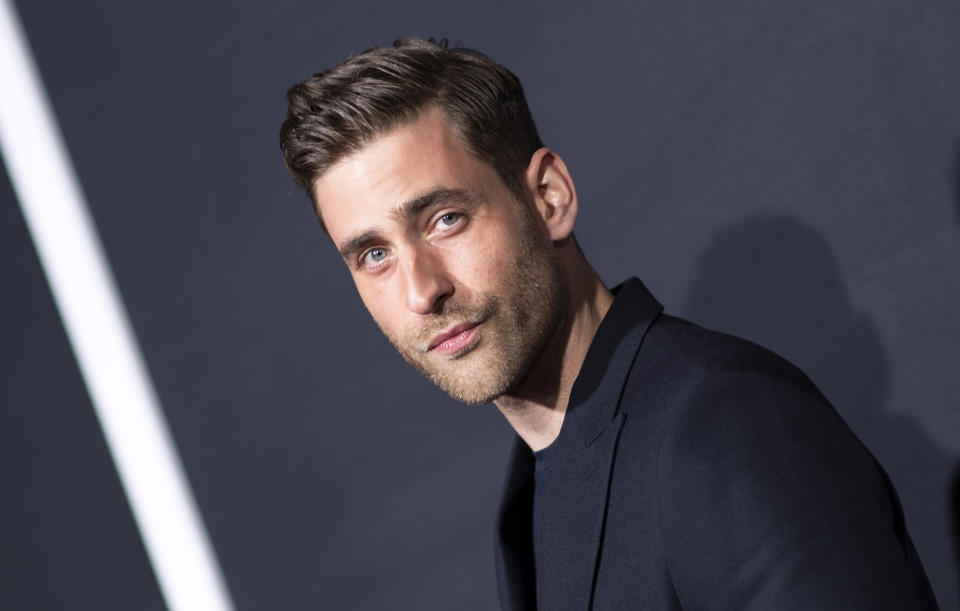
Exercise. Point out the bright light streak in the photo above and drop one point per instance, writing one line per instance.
(100, 334)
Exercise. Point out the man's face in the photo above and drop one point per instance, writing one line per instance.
(460, 276)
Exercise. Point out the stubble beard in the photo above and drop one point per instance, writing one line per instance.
(517, 325)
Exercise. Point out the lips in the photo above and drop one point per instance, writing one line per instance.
(453, 340)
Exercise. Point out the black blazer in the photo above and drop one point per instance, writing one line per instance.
(701, 471)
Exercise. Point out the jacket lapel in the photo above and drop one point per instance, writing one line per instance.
(576, 530)
(575, 523)
(514, 549)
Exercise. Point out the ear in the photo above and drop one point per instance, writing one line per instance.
(554, 195)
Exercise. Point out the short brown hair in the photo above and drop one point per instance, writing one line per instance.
(335, 113)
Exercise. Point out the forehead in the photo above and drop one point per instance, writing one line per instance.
(362, 189)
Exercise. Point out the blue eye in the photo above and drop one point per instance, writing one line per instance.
(449, 219)
(373, 257)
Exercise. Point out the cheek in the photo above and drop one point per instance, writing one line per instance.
(487, 257)
(383, 307)
(475, 268)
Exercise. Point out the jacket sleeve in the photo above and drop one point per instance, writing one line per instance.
(768, 501)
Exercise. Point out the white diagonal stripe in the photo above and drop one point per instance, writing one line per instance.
(100, 334)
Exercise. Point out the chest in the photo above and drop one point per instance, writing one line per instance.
(597, 540)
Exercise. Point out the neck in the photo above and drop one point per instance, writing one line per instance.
(536, 407)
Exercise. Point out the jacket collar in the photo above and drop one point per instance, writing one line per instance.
(595, 396)
(589, 434)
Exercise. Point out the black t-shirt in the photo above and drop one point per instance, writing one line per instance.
(541, 482)
(546, 483)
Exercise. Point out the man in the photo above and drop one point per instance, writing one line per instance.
(658, 465)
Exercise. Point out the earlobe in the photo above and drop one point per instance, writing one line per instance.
(553, 193)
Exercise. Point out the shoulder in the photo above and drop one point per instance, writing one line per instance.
(693, 380)
(758, 479)
(727, 405)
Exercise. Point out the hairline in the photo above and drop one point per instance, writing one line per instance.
(515, 190)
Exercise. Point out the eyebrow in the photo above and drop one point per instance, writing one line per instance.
(403, 213)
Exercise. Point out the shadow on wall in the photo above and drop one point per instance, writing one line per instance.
(955, 477)
(955, 515)
(774, 280)
(956, 182)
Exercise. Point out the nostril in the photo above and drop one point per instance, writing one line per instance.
(428, 285)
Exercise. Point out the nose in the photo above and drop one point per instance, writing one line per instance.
(428, 284)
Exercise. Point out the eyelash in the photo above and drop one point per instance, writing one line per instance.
(363, 257)
(458, 219)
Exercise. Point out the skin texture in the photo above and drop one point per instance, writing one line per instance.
(440, 249)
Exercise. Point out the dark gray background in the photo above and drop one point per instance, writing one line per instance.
(784, 171)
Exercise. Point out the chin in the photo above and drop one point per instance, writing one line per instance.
(476, 385)
(471, 394)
